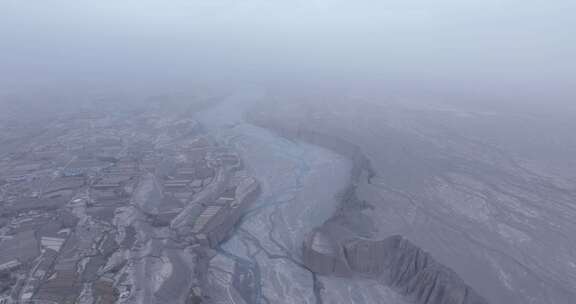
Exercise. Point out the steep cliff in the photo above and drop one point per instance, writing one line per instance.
(333, 249)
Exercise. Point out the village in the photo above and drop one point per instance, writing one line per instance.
(87, 209)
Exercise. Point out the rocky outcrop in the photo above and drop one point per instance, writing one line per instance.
(394, 261)
(323, 255)
(410, 270)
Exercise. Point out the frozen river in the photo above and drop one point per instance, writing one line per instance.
(262, 262)
(299, 182)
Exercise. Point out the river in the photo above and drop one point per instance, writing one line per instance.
(299, 183)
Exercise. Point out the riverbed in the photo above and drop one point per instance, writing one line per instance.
(300, 183)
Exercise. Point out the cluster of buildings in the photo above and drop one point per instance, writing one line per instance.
(83, 204)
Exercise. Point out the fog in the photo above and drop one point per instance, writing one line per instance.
(287, 151)
(494, 50)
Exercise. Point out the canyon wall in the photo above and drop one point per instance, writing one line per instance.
(394, 261)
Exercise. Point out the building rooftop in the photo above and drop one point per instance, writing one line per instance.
(205, 217)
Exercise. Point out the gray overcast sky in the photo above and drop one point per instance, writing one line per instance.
(488, 45)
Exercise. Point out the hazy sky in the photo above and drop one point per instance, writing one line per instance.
(498, 45)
